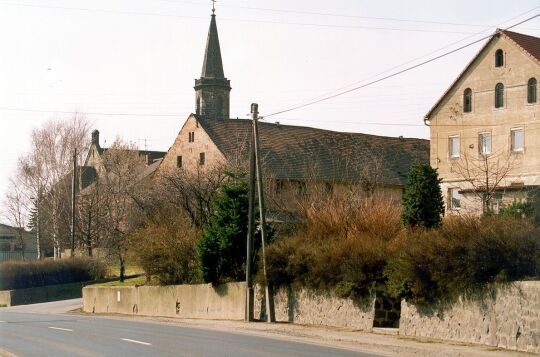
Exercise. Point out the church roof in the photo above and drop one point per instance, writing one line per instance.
(212, 66)
(530, 45)
(303, 153)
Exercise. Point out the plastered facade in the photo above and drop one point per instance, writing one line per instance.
(449, 119)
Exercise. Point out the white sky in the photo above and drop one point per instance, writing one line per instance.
(141, 57)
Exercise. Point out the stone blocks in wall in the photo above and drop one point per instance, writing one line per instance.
(304, 306)
(511, 320)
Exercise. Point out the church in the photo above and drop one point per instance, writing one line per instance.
(292, 156)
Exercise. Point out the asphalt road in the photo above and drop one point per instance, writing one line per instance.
(40, 330)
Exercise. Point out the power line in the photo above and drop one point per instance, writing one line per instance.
(124, 12)
(327, 14)
(395, 73)
(87, 113)
(456, 126)
(424, 56)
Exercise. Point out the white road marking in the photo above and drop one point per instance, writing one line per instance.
(2, 321)
(60, 328)
(135, 341)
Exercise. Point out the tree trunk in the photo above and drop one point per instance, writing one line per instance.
(122, 270)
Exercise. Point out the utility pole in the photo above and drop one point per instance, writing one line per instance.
(38, 243)
(73, 192)
(251, 228)
(270, 315)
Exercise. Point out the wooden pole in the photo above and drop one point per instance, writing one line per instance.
(73, 193)
(270, 316)
(251, 227)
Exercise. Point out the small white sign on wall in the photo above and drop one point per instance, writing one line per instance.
(118, 295)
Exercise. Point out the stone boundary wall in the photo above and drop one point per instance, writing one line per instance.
(510, 321)
(304, 306)
(202, 301)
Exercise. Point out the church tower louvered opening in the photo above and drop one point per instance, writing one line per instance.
(212, 90)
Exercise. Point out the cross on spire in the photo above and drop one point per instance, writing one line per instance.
(213, 6)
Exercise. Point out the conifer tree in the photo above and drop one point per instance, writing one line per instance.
(422, 199)
(222, 249)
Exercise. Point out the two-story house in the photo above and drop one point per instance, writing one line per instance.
(485, 129)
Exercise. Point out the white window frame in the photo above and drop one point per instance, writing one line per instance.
(481, 143)
(512, 141)
(451, 205)
(450, 146)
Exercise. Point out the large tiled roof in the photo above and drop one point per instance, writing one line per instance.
(300, 153)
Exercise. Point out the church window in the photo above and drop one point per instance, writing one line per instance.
(219, 106)
(467, 100)
(499, 95)
(532, 91)
(179, 161)
(499, 58)
(202, 158)
(191, 136)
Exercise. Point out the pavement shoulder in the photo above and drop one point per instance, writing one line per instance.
(381, 342)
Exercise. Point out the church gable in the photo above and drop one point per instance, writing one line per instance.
(192, 150)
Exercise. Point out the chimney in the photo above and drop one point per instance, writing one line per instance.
(95, 138)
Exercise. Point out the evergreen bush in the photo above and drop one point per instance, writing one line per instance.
(222, 248)
(423, 204)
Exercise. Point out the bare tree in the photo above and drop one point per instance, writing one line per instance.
(45, 171)
(90, 215)
(118, 188)
(486, 173)
(192, 192)
(16, 211)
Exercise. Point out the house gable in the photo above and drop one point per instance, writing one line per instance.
(520, 61)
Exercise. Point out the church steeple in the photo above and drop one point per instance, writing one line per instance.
(212, 89)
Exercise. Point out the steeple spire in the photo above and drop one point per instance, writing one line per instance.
(212, 89)
(212, 65)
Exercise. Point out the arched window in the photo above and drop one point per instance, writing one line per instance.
(499, 95)
(467, 100)
(531, 91)
(499, 58)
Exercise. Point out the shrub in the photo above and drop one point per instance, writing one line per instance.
(166, 248)
(28, 274)
(342, 246)
(464, 257)
(222, 249)
(422, 199)
(518, 210)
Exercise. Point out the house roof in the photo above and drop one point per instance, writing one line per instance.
(530, 45)
(300, 153)
(527, 43)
